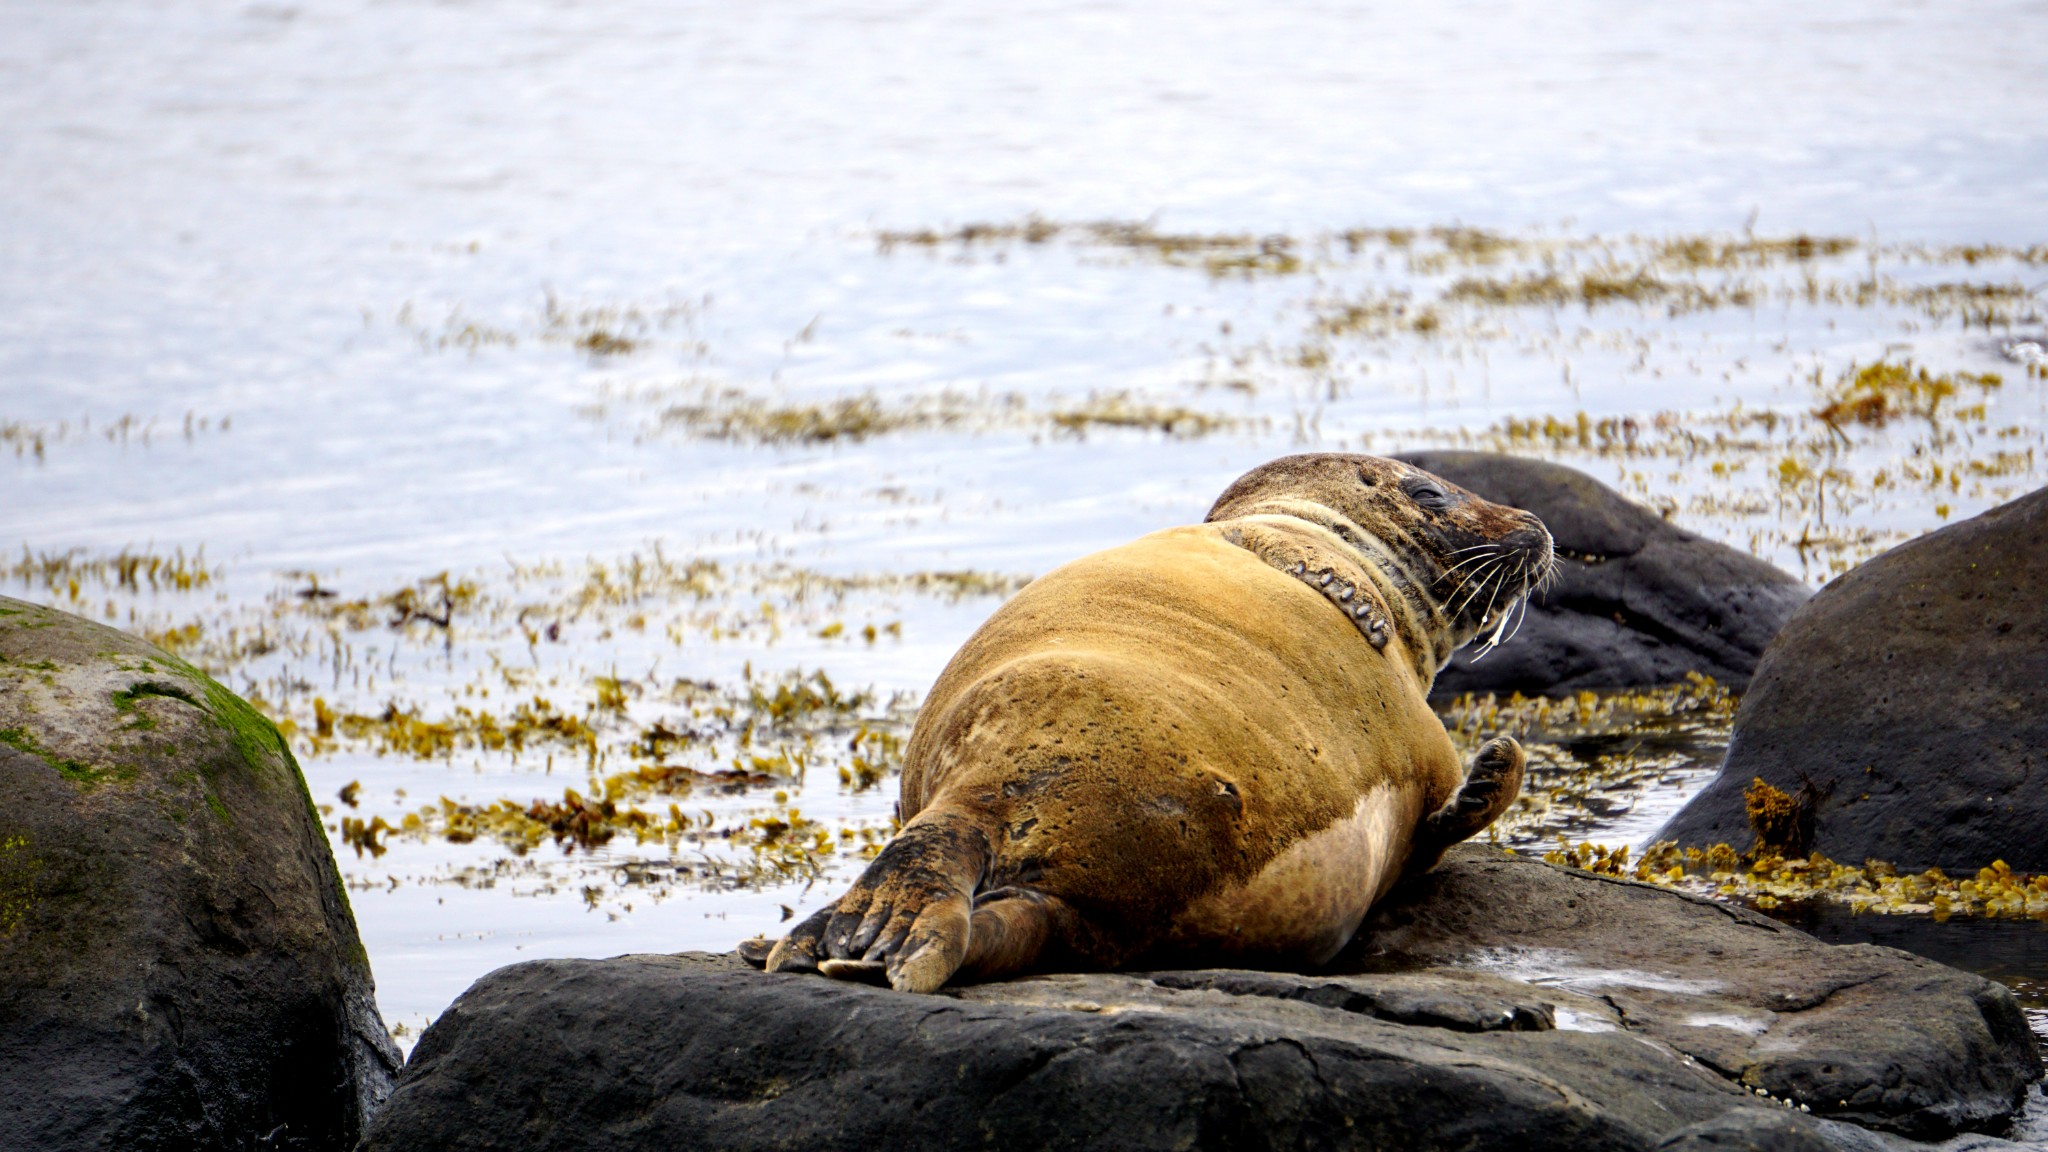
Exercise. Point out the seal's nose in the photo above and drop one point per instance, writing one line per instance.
(1532, 540)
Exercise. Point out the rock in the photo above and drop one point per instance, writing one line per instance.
(1497, 1003)
(1638, 601)
(1911, 695)
(1873, 1036)
(1750, 1130)
(178, 966)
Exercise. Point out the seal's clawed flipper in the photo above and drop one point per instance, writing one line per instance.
(1011, 929)
(1492, 784)
(756, 951)
(906, 920)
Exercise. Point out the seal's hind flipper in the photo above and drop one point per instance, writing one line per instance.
(907, 916)
(798, 951)
(1492, 784)
(859, 971)
(1012, 929)
(756, 951)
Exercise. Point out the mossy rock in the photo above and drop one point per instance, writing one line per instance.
(178, 964)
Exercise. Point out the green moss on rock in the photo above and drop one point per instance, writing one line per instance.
(125, 698)
(251, 733)
(178, 940)
(77, 771)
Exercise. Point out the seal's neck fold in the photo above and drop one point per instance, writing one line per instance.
(1424, 629)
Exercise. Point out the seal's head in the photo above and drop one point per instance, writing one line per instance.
(1453, 566)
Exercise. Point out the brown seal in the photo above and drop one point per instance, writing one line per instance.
(1209, 745)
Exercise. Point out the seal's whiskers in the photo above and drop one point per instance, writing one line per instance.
(1517, 612)
(1523, 617)
(1480, 578)
(1491, 551)
(1488, 615)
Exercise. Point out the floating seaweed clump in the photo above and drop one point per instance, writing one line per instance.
(401, 730)
(1715, 252)
(70, 572)
(795, 705)
(725, 744)
(751, 848)
(952, 584)
(1551, 717)
(1607, 285)
(27, 439)
(798, 697)
(435, 601)
(1975, 305)
(610, 330)
(1593, 755)
(733, 415)
(1771, 880)
(1218, 253)
(1121, 410)
(34, 439)
(1777, 869)
(1378, 315)
(1876, 394)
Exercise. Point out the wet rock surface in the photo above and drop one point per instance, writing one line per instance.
(178, 966)
(1909, 700)
(1497, 1003)
(1638, 601)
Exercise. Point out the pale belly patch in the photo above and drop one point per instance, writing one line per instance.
(1305, 904)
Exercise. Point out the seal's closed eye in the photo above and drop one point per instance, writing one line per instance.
(1427, 494)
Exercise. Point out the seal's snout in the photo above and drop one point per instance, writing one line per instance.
(1532, 540)
(1515, 559)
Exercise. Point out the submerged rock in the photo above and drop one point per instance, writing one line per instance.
(1908, 703)
(178, 966)
(1497, 1003)
(1638, 601)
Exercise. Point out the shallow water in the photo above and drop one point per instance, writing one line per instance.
(561, 299)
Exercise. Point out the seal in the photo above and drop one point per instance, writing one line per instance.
(1210, 745)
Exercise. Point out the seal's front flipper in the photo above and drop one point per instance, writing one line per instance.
(756, 951)
(907, 917)
(1492, 784)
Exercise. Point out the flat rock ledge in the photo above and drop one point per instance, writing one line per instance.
(1500, 1003)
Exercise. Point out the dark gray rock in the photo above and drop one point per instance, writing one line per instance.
(1750, 1130)
(1869, 1035)
(1911, 694)
(1638, 601)
(178, 966)
(1501, 1003)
